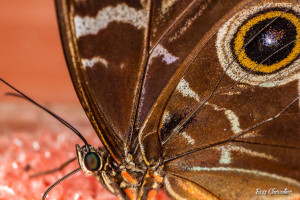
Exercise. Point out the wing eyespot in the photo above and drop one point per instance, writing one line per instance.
(260, 45)
(276, 33)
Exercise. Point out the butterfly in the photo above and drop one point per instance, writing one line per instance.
(200, 98)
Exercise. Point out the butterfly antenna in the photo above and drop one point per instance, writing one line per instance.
(54, 170)
(22, 95)
(59, 181)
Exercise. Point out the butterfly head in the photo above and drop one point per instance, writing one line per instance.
(89, 159)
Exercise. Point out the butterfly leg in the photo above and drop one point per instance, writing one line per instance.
(55, 169)
(107, 181)
(152, 182)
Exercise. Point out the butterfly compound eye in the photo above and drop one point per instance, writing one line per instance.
(92, 161)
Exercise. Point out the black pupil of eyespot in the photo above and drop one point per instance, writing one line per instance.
(92, 161)
(278, 38)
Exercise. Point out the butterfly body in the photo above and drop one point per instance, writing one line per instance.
(200, 98)
(127, 180)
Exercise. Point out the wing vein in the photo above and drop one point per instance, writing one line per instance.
(140, 88)
(190, 115)
(234, 137)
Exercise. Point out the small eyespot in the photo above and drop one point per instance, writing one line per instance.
(260, 45)
(92, 161)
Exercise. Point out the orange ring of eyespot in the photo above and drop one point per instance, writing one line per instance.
(252, 65)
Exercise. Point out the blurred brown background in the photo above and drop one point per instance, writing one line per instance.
(31, 56)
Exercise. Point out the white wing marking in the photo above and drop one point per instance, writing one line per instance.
(121, 13)
(184, 88)
(248, 171)
(93, 61)
(159, 50)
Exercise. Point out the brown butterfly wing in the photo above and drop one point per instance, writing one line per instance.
(222, 135)
(105, 45)
(176, 27)
(121, 54)
(236, 171)
(176, 42)
(165, 53)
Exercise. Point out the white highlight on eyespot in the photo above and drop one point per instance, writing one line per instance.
(121, 13)
(159, 50)
(188, 138)
(231, 116)
(226, 153)
(248, 171)
(93, 61)
(5, 188)
(184, 88)
(171, 191)
(232, 67)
